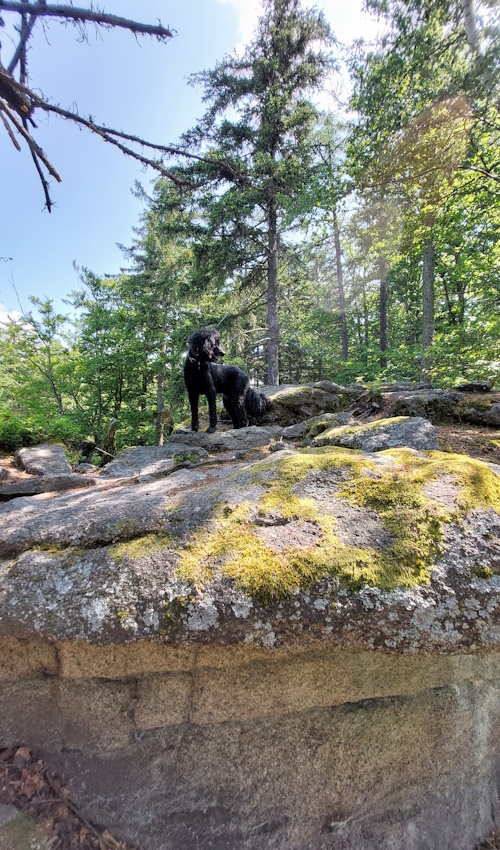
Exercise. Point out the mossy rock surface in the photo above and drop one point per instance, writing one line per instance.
(446, 406)
(294, 403)
(315, 532)
(411, 432)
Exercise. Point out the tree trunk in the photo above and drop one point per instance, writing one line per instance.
(383, 313)
(470, 26)
(57, 394)
(273, 377)
(160, 408)
(144, 392)
(340, 285)
(365, 325)
(109, 436)
(427, 308)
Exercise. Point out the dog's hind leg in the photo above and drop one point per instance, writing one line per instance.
(228, 404)
(241, 413)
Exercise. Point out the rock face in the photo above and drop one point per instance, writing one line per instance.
(242, 439)
(414, 433)
(264, 650)
(292, 404)
(42, 484)
(152, 461)
(43, 460)
(446, 406)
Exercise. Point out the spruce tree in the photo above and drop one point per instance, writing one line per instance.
(255, 132)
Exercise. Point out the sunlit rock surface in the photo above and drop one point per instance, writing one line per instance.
(261, 650)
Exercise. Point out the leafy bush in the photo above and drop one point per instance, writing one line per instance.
(17, 430)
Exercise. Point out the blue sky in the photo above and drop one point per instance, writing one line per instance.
(136, 86)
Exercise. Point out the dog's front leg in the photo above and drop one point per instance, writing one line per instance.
(212, 412)
(193, 401)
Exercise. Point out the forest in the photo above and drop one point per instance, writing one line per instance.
(358, 244)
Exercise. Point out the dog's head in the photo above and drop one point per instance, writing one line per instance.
(205, 344)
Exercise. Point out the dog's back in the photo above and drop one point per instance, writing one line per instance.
(229, 379)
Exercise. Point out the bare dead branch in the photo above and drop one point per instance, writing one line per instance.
(85, 16)
(224, 167)
(24, 101)
(9, 130)
(33, 146)
(484, 171)
(108, 137)
(21, 47)
(43, 179)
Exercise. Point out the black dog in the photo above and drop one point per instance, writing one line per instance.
(203, 376)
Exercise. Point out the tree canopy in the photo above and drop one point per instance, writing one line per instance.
(323, 244)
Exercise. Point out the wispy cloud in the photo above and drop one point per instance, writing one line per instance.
(248, 12)
(348, 21)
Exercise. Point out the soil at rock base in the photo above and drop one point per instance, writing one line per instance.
(27, 784)
(491, 843)
(13, 473)
(473, 440)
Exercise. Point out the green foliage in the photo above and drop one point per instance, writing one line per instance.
(418, 161)
(17, 430)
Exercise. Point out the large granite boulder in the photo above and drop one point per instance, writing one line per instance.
(293, 403)
(445, 406)
(44, 459)
(309, 428)
(415, 433)
(292, 650)
(48, 471)
(152, 461)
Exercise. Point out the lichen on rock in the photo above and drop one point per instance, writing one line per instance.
(231, 543)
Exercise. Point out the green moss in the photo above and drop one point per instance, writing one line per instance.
(140, 547)
(479, 486)
(396, 493)
(193, 457)
(474, 402)
(123, 616)
(126, 528)
(481, 572)
(174, 614)
(445, 446)
(348, 430)
(318, 426)
(67, 555)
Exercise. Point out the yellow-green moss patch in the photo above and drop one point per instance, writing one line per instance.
(376, 425)
(139, 547)
(481, 572)
(395, 492)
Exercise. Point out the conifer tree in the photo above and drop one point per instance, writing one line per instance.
(257, 123)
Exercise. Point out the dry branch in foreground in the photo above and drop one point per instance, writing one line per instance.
(19, 103)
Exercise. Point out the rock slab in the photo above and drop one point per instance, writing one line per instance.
(409, 432)
(152, 460)
(44, 459)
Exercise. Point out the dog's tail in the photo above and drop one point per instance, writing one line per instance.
(256, 404)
